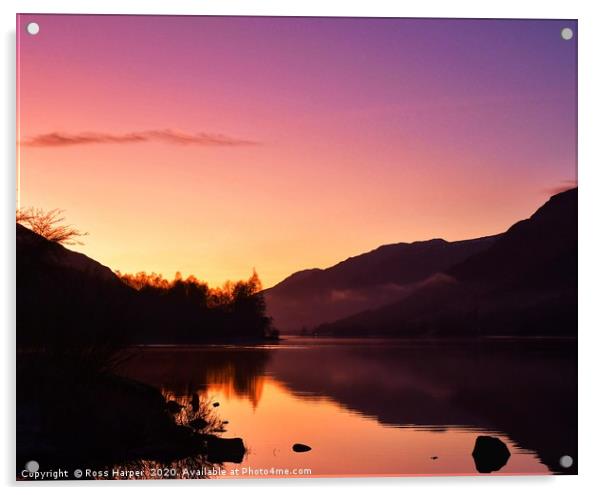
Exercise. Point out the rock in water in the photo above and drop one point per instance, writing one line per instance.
(225, 450)
(489, 454)
(299, 447)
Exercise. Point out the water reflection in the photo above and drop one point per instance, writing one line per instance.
(182, 371)
(381, 407)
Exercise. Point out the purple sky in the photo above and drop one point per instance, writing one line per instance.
(397, 129)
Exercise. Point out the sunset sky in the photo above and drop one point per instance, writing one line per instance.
(215, 145)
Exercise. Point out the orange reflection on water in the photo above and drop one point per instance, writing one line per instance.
(222, 380)
(345, 442)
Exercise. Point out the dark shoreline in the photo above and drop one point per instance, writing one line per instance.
(109, 420)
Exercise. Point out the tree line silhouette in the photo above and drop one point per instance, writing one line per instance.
(188, 310)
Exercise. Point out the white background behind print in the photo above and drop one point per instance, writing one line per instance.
(590, 192)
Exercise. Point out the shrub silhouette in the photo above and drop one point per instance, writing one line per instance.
(49, 224)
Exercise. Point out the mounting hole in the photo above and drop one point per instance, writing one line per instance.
(32, 466)
(566, 33)
(33, 28)
(566, 461)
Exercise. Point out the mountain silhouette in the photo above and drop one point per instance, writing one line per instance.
(312, 297)
(64, 298)
(32, 249)
(524, 283)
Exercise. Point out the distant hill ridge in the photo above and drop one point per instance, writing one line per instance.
(405, 262)
(311, 297)
(524, 283)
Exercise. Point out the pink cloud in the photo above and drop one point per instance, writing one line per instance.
(61, 139)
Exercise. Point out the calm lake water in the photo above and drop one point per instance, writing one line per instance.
(380, 407)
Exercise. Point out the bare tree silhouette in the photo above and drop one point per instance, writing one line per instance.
(49, 224)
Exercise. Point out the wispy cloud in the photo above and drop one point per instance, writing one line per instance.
(62, 139)
(563, 186)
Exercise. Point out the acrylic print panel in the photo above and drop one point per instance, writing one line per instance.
(295, 247)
